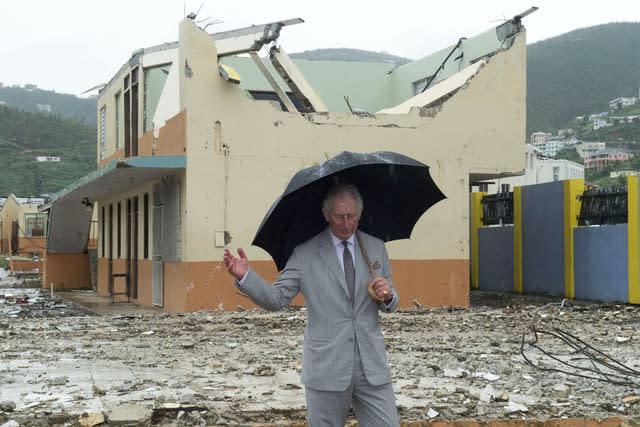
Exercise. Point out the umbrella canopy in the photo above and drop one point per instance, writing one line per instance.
(396, 190)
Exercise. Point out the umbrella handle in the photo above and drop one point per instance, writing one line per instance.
(373, 275)
(372, 293)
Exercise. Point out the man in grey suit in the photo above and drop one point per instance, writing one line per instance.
(344, 360)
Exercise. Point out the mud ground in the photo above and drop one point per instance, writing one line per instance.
(64, 364)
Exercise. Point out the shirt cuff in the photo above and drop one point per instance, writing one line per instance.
(244, 279)
(393, 298)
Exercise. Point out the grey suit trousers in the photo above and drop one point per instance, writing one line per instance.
(374, 406)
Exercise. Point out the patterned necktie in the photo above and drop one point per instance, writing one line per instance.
(349, 270)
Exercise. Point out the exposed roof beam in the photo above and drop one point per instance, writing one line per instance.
(292, 76)
(274, 84)
(249, 39)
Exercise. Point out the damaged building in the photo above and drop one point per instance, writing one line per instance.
(198, 137)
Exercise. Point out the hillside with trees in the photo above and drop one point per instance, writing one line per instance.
(25, 135)
(577, 73)
(30, 98)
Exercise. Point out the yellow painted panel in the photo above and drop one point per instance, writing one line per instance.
(633, 220)
(573, 188)
(517, 239)
(476, 223)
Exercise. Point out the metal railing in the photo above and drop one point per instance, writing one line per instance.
(497, 209)
(602, 206)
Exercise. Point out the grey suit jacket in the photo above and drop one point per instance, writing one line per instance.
(334, 326)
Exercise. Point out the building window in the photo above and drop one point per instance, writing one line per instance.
(118, 120)
(119, 230)
(418, 86)
(103, 234)
(145, 227)
(154, 81)
(35, 225)
(103, 132)
(556, 173)
(483, 187)
(504, 188)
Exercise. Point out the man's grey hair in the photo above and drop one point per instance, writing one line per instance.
(338, 191)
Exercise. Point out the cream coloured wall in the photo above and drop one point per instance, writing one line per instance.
(481, 129)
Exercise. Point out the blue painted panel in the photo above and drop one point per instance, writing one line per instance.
(543, 238)
(495, 262)
(601, 263)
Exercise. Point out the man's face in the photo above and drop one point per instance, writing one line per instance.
(344, 217)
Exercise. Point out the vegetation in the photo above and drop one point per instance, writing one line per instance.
(25, 135)
(579, 72)
(622, 132)
(35, 100)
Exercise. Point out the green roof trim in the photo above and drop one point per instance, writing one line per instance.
(143, 162)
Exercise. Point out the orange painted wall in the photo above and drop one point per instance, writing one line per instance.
(207, 286)
(32, 244)
(117, 155)
(66, 271)
(433, 283)
(173, 136)
(144, 283)
(119, 266)
(103, 282)
(24, 265)
(145, 144)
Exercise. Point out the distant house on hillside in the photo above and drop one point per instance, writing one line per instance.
(540, 137)
(599, 123)
(602, 158)
(624, 172)
(619, 103)
(551, 147)
(587, 148)
(54, 159)
(539, 169)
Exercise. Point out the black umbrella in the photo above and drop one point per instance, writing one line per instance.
(396, 191)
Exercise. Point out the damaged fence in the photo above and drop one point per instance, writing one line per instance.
(558, 238)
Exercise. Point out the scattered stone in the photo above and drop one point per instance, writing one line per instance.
(129, 414)
(7, 406)
(561, 391)
(230, 368)
(432, 413)
(91, 419)
(58, 380)
(513, 407)
(453, 373)
(487, 394)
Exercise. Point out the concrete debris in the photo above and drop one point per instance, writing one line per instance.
(91, 419)
(62, 364)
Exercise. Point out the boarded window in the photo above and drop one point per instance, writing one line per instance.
(35, 224)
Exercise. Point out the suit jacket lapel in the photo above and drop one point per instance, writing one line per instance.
(327, 252)
(362, 273)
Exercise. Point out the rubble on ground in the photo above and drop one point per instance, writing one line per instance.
(62, 364)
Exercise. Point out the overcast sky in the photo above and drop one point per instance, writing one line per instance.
(72, 45)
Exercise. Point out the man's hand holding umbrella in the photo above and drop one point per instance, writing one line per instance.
(381, 289)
